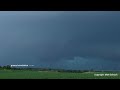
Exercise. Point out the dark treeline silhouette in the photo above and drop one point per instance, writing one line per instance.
(5, 67)
(8, 67)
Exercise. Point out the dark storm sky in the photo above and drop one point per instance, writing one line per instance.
(69, 39)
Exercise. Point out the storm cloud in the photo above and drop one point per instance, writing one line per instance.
(57, 37)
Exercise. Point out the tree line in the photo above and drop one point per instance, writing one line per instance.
(5, 67)
(8, 67)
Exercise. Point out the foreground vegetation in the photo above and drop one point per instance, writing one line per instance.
(30, 73)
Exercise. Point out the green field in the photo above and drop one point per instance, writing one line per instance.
(27, 74)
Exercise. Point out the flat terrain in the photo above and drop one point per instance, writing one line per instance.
(27, 74)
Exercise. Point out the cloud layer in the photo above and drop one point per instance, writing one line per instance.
(50, 37)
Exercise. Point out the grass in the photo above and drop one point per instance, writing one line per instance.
(27, 74)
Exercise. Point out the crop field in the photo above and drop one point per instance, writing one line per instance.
(28, 74)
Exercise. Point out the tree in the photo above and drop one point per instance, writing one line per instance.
(7, 67)
(0, 67)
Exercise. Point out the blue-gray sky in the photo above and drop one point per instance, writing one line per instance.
(61, 39)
